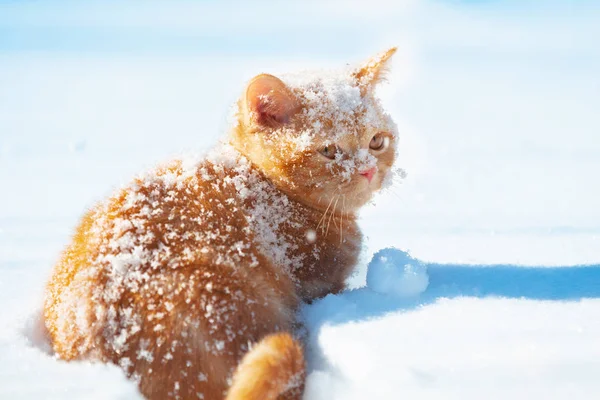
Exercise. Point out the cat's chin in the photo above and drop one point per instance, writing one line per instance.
(364, 191)
(358, 198)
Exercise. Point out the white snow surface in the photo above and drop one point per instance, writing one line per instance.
(498, 129)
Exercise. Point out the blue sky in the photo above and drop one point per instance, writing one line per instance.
(274, 27)
(181, 27)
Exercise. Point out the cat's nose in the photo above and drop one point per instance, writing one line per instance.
(369, 173)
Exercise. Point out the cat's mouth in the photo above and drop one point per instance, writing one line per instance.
(363, 181)
(359, 190)
(369, 173)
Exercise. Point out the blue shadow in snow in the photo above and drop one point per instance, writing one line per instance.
(537, 283)
(568, 283)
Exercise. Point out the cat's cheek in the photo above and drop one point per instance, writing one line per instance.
(384, 180)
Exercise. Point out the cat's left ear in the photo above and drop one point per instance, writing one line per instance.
(269, 101)
(373, 70)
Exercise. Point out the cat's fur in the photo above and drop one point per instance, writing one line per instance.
(189, 277)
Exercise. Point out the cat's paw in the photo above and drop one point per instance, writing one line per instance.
(395, 272)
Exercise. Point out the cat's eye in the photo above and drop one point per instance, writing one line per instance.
(379, 142)
(330, 151)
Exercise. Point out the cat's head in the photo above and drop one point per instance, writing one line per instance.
(322, 138)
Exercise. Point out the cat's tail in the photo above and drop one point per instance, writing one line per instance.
(273, 367)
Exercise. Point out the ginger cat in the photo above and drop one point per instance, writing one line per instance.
(189, 277)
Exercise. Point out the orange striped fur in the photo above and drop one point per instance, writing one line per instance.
(190, 276)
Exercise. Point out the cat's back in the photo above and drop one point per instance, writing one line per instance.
(179, 211)
(142, 251)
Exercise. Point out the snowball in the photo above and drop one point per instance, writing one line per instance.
(393, 271)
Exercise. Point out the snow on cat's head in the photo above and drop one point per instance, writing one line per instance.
(320, 137)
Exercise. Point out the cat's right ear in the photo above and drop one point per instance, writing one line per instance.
(269, 101)
(372, 71)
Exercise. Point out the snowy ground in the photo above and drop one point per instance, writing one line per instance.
(497, 106)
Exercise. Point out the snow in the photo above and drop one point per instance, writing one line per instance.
(395, 272)
(464, 347)
(498, 135)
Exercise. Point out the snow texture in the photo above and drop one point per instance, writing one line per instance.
(395, 272)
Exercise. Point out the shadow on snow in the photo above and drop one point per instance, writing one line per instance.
(568, 283)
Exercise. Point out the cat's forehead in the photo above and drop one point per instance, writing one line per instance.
(321, 89)
(332, 102)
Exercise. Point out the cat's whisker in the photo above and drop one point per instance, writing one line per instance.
(332, 214)
(324, 214)
(398, 196)
(342, 219)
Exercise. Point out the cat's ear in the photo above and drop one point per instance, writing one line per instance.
(373, 70)
(269, 101)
